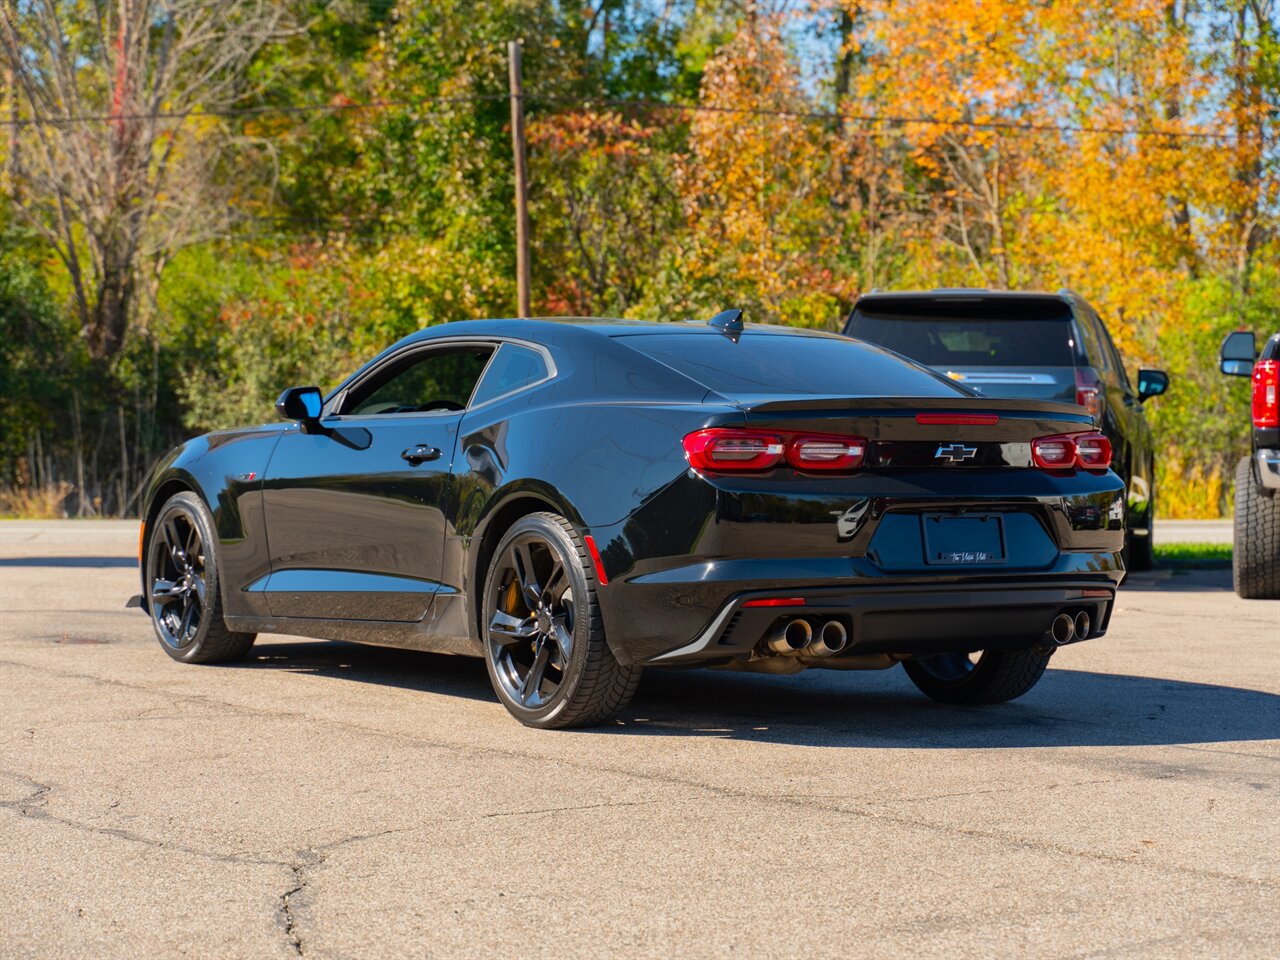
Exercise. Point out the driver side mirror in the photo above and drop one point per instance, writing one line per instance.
(302, 404)
(1151, 383)
(1239, 348)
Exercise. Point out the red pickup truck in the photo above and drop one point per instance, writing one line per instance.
(1256, 556)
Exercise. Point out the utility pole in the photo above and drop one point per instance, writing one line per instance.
(514, 48)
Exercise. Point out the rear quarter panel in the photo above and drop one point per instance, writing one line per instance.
(595, 445)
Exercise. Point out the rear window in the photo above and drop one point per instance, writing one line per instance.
(790, 365)
(513, 368)
(1016, 333)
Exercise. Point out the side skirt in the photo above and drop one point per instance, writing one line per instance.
(443, 631)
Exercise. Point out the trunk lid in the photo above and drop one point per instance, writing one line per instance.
(924, 431)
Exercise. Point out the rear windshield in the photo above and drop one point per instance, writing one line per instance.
(779, 364)
(1018, 333)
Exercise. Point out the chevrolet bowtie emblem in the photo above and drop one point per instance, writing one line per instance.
(955, 452)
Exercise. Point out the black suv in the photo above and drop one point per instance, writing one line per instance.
(1047, 346)
(1255, 560)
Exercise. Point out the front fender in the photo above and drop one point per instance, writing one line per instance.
(224, 470)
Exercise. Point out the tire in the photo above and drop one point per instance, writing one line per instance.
(184, 598)
(995, 677)
(1255, 557)
(1142, 549)
(539, 599)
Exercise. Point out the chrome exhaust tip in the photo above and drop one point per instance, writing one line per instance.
(791, 636)
(1083, 623)
(831, 639)
(1063, 629)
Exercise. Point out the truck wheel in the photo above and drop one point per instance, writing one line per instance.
(1255, 558)
(1142, 549)
(992, 676)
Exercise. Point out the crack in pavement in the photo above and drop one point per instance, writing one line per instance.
(583, 806)
(35, 803)
(963, 793)
(418, 742)
(313, 858)
(27, 806)
(285, 913)
(1166, 614)
(1231, 753)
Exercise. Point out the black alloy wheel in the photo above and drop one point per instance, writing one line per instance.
(988, 676)
(182, 586)
(544, 638)
(178, 588)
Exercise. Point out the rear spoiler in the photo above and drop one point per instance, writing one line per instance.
(958, 404)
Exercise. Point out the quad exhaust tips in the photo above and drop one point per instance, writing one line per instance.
(1066, 627)
(1063, 629)
(790, 636)
(796, 637)
(831, 639)
(1083, 623)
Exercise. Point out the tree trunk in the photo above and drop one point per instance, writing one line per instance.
(110, 316)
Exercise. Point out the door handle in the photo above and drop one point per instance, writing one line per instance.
(420, 453)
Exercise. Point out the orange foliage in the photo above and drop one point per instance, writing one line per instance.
(1047, 190)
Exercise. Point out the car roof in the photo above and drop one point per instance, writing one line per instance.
(605, 326)
(966, 293)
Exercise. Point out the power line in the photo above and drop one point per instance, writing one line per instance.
(282, 110)
(825, 116)
(873, 118)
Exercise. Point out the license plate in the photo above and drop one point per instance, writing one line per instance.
(953, 540)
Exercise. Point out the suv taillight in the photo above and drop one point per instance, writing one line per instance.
(731, 450)
(1088, 451)
(1266, 393)
(1089, 391)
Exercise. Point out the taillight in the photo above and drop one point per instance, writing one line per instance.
(1088, 451)
(1093, 451)
(825, 452)
(1089, 391)
(1053, 453)
(727, 449)
(731, 450)
(1266, 393)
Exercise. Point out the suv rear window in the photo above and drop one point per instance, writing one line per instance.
(941, 333)
(764, 363)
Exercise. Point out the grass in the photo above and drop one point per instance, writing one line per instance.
(1193, 556)
(34, 503)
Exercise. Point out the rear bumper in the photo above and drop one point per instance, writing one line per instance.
(699, 545)
(908, 619)
(1268, 464)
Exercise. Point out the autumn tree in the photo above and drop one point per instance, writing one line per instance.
(113, 106)
(756, 186)
(605, 208)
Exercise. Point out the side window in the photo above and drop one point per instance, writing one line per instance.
(1113, 359)
(1098, 355)
(514, 367)
(1092, 346)
(439, 380)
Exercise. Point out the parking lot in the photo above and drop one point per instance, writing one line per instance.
(332, 800)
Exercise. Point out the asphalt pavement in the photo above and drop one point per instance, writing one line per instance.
(330, 800)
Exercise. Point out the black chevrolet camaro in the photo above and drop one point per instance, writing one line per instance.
(575, 500)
